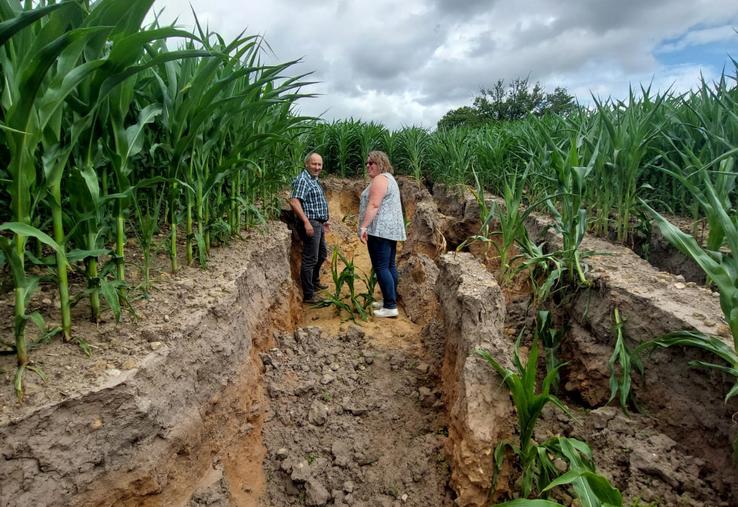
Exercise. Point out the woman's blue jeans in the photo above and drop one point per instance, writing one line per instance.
(382, 253)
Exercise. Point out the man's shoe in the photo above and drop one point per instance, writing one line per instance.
(378, 304)
(312, 300)
(320, 286)
(386, 312)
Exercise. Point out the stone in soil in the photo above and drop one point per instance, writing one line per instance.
(365, 437)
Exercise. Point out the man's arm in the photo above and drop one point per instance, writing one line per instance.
(296, 206)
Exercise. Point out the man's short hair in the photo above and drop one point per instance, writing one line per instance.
(309, 155)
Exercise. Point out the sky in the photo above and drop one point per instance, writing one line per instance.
(406, 63)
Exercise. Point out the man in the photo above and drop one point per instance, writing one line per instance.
(311, 208)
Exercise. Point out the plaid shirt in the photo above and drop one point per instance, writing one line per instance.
(306, 188)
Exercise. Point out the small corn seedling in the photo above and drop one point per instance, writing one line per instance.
(148, 212)
(345, 297)
(546, 271)
(627, 360)
(550, 337)
(486, 217)
(568, 210)
(539, 473)
(510, 219)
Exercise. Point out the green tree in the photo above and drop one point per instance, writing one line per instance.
(509, 102)
(464, 116)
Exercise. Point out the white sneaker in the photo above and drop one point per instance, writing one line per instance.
(378, 304)
(386, 312)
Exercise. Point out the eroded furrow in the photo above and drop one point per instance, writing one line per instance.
(352, 422)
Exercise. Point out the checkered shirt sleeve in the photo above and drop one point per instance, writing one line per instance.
(311, 195)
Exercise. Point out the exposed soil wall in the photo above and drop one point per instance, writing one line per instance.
(661, 254)
(686, 414)
(179, 413)
(147, 426)
(479, 409)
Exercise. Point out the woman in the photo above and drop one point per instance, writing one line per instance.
(381, 227)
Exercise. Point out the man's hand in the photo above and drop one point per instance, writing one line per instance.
(363, 235)
(309, 229)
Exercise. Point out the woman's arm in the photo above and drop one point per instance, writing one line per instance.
(377, 191)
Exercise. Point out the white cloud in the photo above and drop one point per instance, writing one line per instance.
(723, 34)
(408, 63)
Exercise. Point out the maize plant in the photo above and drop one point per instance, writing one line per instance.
(539, 475)
(99, 117)
(721, 268)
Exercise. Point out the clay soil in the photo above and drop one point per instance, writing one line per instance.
(115, 347)
(351, 410)
(637, 452)
(344, 413)
(356, 415)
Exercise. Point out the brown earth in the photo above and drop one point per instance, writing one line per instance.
(356, 415)
(678, 451)
(116, 348)
(300, 406)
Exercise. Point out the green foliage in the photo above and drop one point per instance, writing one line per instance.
(508, 103)
(510, 221)
(345, 297)
(546, 270)
(464, 116)
(628, 132)
(720, 267)
(147, 207)
(539, 473)
(529, 404)
(626, 360)
(627, 148)
(711, 344)
(572, 166)
(550, 337)
(99, 117)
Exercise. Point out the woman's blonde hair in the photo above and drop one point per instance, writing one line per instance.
(382, 161)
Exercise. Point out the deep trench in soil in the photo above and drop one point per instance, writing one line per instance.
(335, 411)
(355, 411)
(393, 412)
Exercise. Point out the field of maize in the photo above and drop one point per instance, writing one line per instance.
(111, 140)
(109, 133)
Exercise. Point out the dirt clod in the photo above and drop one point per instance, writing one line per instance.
(368, 438)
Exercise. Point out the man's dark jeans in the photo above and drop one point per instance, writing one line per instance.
(382, 253)
(314, 252)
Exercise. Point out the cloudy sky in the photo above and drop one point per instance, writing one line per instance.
(408, 63)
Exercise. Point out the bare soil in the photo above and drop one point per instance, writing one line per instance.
(640, 452)
(335, 412)
(116, 347)
(356, 416)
